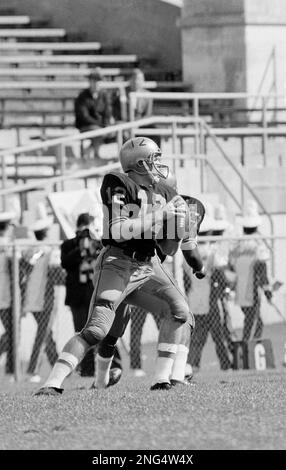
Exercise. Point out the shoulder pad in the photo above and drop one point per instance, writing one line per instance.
(115, 179)
(122, 177)
(165, 189)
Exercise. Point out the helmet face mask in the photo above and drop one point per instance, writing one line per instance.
(142, 155)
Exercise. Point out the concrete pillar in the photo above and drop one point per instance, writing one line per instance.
(234, 45)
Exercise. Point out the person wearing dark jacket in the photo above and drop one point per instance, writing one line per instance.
(93, 109)
(78, 256)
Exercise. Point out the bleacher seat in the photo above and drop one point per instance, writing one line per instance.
(76, 59)
(8, 33)
(14, 20)
(50, 46)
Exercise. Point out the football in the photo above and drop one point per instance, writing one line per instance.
(168, 247)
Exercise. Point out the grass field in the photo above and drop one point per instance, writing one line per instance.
(219, 410)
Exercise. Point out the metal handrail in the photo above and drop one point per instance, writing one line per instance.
(199, 96)
(238, 172)
(118, 129)
(61, 141)
(216, 173)
(41, 184)
(76, 136)
(244, 182)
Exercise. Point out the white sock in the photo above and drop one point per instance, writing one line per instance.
(179, 366)
(164, 362)
(188, 369)
(163, 369)
(102, 371)
(65, 364)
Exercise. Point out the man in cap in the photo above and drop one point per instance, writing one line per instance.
(39, 291)
(78, 257)
(203, 296)
(93, 109)
(248, 258)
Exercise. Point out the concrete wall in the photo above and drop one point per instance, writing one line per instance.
(266, 58)
(144, 27)
(213, 45)
(214, 58)
(265, 38)
(227, 44)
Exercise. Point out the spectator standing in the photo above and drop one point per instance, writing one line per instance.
(203, 295)
(37, 263)
(249, 260)
(6, 316)
(223, 279)
(93, 109)
(78, 256)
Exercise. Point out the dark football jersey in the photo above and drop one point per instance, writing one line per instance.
(123, 199)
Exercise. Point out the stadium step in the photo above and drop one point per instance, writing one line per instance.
(269, 184)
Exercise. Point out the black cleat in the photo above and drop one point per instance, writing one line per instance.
(161, 386)
(51, 391)
(189, 378)
(114, 376)
(175, 382)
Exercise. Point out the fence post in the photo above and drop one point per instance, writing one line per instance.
(16, 311)
(132, 105)
(119, 140)
(196, 113)
(61, 161)
(264, 128)
(174, 145)
(4, 181)
(202, 152)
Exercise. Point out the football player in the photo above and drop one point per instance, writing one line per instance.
(138, 208)
(194, 260)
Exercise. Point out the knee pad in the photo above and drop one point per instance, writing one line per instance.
(182, 314)
(99, 322)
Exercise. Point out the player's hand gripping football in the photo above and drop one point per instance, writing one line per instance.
(175, 207)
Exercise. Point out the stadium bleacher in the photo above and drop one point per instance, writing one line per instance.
(14, 20)
(50, 46)
(12, 33)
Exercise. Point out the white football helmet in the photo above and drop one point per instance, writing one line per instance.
(142, 155)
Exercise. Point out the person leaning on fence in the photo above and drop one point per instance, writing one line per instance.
(39, 294)
(6, 340)
(199, 293)
(93, 110)
(249, 258)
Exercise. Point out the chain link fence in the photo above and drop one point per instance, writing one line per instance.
(239, 299)
(239, 304)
